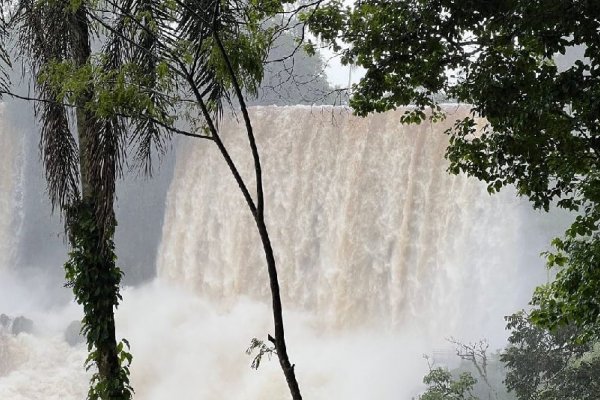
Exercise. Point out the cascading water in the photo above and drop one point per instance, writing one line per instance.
(383, 252)
(367, 225)
(10, 193)
(382, 255)
(8, 190)
(35, 361)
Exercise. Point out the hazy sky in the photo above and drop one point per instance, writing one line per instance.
(338, 74)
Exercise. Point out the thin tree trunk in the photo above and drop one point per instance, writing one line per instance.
(259, 217)
(279, 340)
(258, 214)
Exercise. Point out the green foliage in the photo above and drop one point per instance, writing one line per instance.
(487, 369)
(119, 91)
(548, 365)
(246, 52)
(542, 133)
(572, 298)
(67, 80)
(261, 349)
(443, 386)
(94, 277)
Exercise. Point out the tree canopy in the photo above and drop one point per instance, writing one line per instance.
(442, 386)
(543, 122)
(547, 365)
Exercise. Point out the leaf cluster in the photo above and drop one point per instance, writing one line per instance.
(543, 133)
(443, 386)
(549, 365)
(92, 274)
(261, 349)
(572, 297)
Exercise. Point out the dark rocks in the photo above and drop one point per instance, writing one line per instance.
(73, 335)
(22, 325)
(4, 321)
(16, 325)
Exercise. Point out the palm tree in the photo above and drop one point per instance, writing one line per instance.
(82, 153)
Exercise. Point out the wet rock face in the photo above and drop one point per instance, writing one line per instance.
(73, 335)
(22, 325)
(4, 321)
(16, 325)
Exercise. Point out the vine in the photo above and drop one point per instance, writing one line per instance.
(94, 277)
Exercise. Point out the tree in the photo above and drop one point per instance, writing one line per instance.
(542, 133)
(160, 61)
(544, 364)
(82, 155)
(485, 373)
(536, 364)
(213, 51)
(441, 385)
(476, 356)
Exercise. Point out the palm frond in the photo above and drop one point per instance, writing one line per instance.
(35, 19)
(58, 146)
(59, 153)
(106, 149)
(198, 20)
(146, 134)
(133, 44)
(4, 57)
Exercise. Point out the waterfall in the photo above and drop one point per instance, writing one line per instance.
(8, 205)
(367, 225)
(381, 255)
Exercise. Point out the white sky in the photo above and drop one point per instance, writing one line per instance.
(338, 74)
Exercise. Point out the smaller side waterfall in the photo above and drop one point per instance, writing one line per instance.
(10, 191)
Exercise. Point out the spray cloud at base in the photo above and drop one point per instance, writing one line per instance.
(382, 256)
